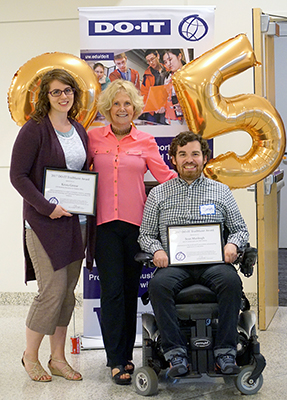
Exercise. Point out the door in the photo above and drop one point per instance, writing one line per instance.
(264, 29)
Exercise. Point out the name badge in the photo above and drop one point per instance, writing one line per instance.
(207, 209)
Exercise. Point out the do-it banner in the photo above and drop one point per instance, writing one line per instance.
(146, 46)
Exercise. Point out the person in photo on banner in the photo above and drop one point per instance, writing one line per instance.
(193, 199)
(153, 76)
(54, 238)
(123, 72)
(173, 61)
(104, 81)
(99, 69)
(121, 155)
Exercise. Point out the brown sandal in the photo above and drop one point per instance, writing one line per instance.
(37, 372)
(66, 372)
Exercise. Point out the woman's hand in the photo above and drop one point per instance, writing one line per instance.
(59, 212)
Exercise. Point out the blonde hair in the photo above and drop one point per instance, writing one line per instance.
(106, 97)
(120, 56)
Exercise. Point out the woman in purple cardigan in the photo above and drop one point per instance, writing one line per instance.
(53, 241)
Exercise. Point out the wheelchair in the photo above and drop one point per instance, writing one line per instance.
(197, 311)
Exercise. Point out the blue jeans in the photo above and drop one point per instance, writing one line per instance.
(221, 278)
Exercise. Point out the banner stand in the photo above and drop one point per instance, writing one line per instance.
(189, 32)
(92, 337)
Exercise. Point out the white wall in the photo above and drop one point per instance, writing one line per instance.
(281, 90)
(34, 27)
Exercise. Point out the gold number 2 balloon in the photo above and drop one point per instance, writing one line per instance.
(24, 88)
(209, 113)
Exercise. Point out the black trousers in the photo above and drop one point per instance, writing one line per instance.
(222, 279)
(119, 275)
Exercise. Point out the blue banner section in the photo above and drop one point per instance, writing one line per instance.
(129, 27)
(97, 57)
(91, 284)
(92, 288)
(164, 144)
(144, 280)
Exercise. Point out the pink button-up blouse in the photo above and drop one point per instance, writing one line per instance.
(121, 165)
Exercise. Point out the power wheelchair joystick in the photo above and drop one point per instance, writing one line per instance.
(246, 260)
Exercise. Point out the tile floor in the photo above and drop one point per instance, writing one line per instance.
(97, 385)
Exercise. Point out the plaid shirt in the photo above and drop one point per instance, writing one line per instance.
(175, 202)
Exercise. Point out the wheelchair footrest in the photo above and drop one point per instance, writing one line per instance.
(191, 374)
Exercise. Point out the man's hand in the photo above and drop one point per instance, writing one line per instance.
(160, 259)
(230, 253)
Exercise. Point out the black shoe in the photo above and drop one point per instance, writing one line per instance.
(178, 366)
(227, 364)
(118, 377)
(129, 368)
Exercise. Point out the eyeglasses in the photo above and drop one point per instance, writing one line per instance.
(151, 60)
(58, 92)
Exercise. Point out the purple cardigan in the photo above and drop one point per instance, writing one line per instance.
(35, 148)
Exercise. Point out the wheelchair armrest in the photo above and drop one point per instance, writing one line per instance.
(247, 260)
(145, 259)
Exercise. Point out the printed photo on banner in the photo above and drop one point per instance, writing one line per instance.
(151, 71)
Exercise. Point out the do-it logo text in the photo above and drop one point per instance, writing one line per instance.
(131, 27)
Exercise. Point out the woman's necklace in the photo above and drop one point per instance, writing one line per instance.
(121, 132)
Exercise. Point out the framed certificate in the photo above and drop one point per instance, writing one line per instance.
(195, 244)
(76, 191)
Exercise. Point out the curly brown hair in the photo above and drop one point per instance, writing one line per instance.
(42, 106)
(185, 137)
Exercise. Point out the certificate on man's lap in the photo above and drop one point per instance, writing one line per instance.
(195, 244)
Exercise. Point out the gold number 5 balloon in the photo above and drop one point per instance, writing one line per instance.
(209, 113)
(24, 88)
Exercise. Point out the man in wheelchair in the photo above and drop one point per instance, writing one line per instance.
(193, 199)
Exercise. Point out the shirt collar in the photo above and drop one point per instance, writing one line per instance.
(196, 182)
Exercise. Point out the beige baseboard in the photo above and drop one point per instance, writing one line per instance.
(25, 298)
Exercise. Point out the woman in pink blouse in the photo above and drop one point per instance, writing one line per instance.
(121, 155)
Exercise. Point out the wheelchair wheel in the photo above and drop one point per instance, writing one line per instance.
(145, 381)
(241, 381)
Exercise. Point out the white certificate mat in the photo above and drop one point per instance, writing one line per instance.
(195, 244)
(76, 191)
